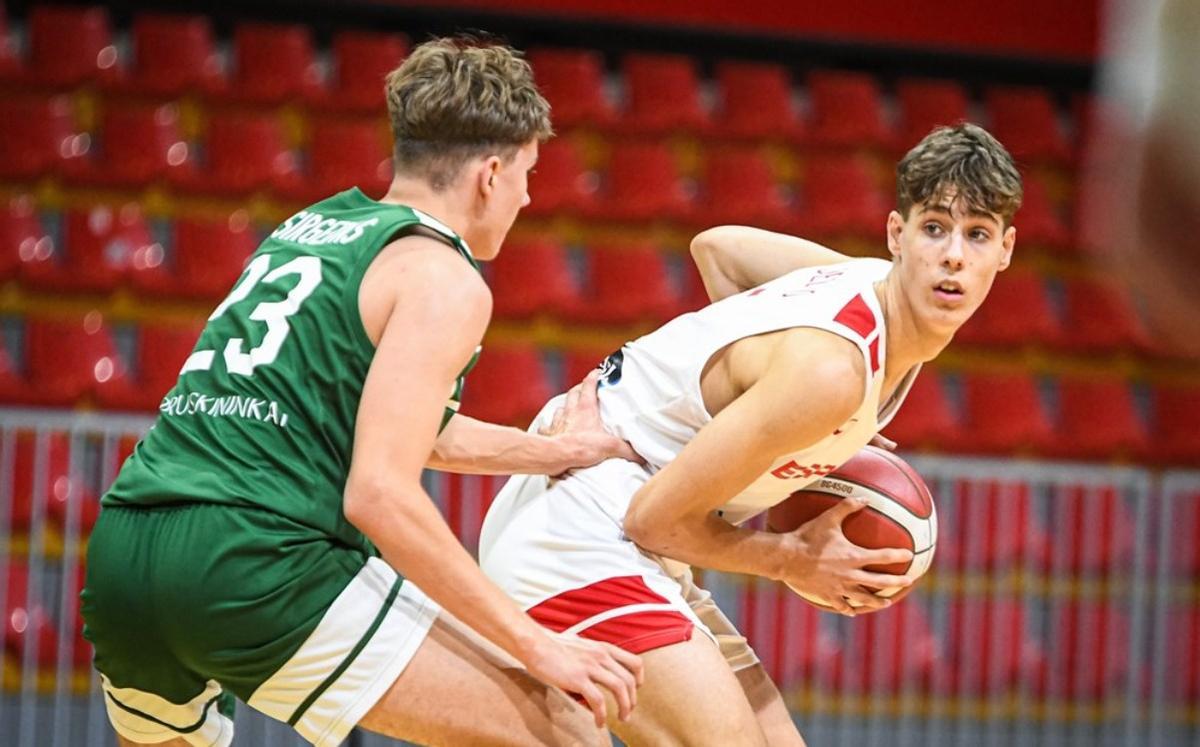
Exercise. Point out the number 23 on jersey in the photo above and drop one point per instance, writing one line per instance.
(274, 313)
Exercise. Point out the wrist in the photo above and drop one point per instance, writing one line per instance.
(529, 643)
(793, 558)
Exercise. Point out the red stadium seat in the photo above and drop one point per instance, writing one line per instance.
(847, 110)
(69, 45)
(926, 104)
(98, 245)
(841, 197)
(173, 54)
(94, 254)
(37, 135)
(531, 278)
(344, 153)
(243, 152)
(889, 651)
(786, 633)
(138, 145)
(664, 94)
(560, 183)
(1026, 121)
(995, 323)
(643, 185)
(63, 359)
(1101, 318)
(161, 352)
(1099, 420)
(207, 258)
(1092, 530)
(1039, 222)
(273, 63)
(756, 102)
(9, 64)
(1005, 414)
(990, 525)
(572, 80)
(1176, 439)
(627, 284)
(926, 420)
(362, 60)
(740, 188)
(27, 622)
(22, 236)
(988, 647)
(1089, 659)
(508, 385)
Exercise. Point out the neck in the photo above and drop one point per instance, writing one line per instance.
(446, 206)
(908, 341)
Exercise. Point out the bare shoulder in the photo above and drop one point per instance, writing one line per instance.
(814, 361)
(418, 271)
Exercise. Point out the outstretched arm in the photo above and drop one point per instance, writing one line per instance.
(732, 259)
(812, 384)
(474, 447)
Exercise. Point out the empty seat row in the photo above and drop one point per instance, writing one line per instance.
(65, 361)
(662, 93)
(1075, 417)
(244, 152)
(98, 249)
(241, 152)
(169, 55)
(1079, 315)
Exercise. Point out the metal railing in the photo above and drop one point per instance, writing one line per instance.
(1062, 608)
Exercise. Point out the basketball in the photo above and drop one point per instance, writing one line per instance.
(899, 511)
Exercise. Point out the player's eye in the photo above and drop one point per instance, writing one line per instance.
(980, 234)
(933, 229)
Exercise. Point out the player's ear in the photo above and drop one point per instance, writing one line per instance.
(487, 175)
(1010, 240)
(895, 227)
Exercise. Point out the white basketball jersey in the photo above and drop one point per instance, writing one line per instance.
(650, 393)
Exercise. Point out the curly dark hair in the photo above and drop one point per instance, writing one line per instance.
(964, 158)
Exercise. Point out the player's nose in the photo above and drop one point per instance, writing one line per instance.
(953, 257)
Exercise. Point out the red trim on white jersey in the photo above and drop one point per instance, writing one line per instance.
(623, 611)
(856, 315)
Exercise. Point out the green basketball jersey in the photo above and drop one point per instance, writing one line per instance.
(263, 413)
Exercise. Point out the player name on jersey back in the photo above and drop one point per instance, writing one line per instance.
(314, 229)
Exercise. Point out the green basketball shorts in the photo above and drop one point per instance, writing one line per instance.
(190, 605)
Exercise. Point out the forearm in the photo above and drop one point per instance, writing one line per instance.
(473, 447)
(414, 539)
(708, 541)
(732, 259)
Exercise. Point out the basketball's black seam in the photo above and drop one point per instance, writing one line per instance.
(872, 488)
(900, 463)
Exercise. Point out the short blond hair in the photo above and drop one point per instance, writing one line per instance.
(964, 158)
(457, 98)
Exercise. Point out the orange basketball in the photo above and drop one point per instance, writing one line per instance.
(899, 511)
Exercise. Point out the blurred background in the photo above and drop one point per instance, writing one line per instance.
(146, 147)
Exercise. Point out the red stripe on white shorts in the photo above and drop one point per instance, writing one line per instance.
(623, 611)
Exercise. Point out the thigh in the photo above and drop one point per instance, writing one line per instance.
(461, 690)
(769, 708)
(691, 697)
